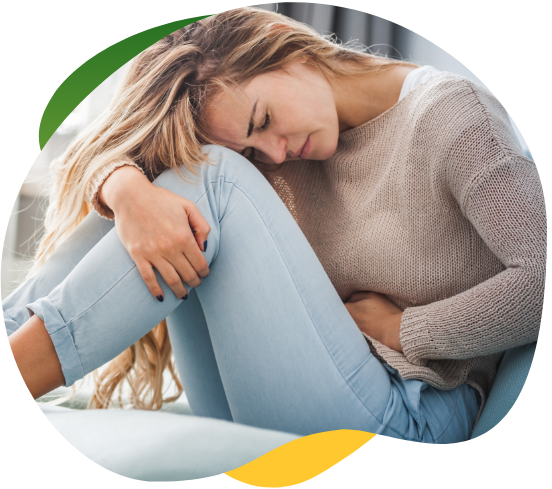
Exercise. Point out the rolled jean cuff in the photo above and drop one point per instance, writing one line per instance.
(11, 325)
(61, 338)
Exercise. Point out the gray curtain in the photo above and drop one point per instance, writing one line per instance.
(361, 29)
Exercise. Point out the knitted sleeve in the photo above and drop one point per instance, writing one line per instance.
(97, 180)
(498, 190)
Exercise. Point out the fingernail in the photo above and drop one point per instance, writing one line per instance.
(204, 246)
(160, 298)
(185, 297)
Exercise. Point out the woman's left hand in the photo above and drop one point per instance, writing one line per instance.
(377, 316)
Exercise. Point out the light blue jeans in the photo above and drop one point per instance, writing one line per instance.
(265, 339)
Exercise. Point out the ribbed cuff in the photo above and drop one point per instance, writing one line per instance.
(98, 180)
(415, 335)
(61, 337)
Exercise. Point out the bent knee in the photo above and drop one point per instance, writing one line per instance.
(221, 162)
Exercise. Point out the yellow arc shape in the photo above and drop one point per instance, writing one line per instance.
(301, 459)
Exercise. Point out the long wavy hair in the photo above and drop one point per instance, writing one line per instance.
(157, 120)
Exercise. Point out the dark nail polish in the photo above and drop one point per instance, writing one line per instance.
(185, 297)
(160, 298)
(204, 246)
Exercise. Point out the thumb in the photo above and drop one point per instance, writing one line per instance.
(200, 226)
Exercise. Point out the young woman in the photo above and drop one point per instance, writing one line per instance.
(411, 215)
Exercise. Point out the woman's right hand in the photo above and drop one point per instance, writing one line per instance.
(155, 226)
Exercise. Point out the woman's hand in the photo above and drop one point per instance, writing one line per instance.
(155, 226)
(377, 316)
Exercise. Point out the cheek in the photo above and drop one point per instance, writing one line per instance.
(325, 143)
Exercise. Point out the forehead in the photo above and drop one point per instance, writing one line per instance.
(228, 116)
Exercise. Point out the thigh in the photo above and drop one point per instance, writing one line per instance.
(289, 354)
(195, 359)
(56, 268)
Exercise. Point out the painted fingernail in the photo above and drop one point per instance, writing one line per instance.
(160, 298)
(185, 297)
(204, 246)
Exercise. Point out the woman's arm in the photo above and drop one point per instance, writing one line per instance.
(505, 205)
(498, 190)
(158, 229)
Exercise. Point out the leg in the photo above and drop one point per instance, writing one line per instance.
(66, 257)
(87, 234)
(290, 356)
(284, 343)
(195, 359)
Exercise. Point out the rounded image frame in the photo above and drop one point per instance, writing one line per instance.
(249, 456)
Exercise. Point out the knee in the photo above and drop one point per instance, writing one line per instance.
(221, 163)
(229, 164)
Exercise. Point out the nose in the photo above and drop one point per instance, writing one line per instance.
(274, 147)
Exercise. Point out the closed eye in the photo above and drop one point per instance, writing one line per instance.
(266, 123)
(250, 152)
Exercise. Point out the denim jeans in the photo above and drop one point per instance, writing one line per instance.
(265, 340)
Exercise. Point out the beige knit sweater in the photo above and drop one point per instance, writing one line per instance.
(434, 205)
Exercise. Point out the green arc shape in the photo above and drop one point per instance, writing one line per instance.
(88, 76)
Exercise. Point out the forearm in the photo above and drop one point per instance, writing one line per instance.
(505, 204)
(119, 185)
(498, 314)
(101, 176)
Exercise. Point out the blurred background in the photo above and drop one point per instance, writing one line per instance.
(376, 35)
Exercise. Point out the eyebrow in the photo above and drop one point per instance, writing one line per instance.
(252, 120)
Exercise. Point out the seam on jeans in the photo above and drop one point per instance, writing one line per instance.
(358, 368)
(101, 297)
(450, 420)
(312, 320)
(203, 194)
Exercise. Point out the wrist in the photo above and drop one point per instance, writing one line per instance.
(124, 182)
(396, 335)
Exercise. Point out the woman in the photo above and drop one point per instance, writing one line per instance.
(416, 207)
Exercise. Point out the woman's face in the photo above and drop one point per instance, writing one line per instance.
(278, 116)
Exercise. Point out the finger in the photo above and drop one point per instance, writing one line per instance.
(148, 276)
(199, 225)
(171, 277)
(184, 269)
(187, 247)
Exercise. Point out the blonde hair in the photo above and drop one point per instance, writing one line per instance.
(157, 119)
